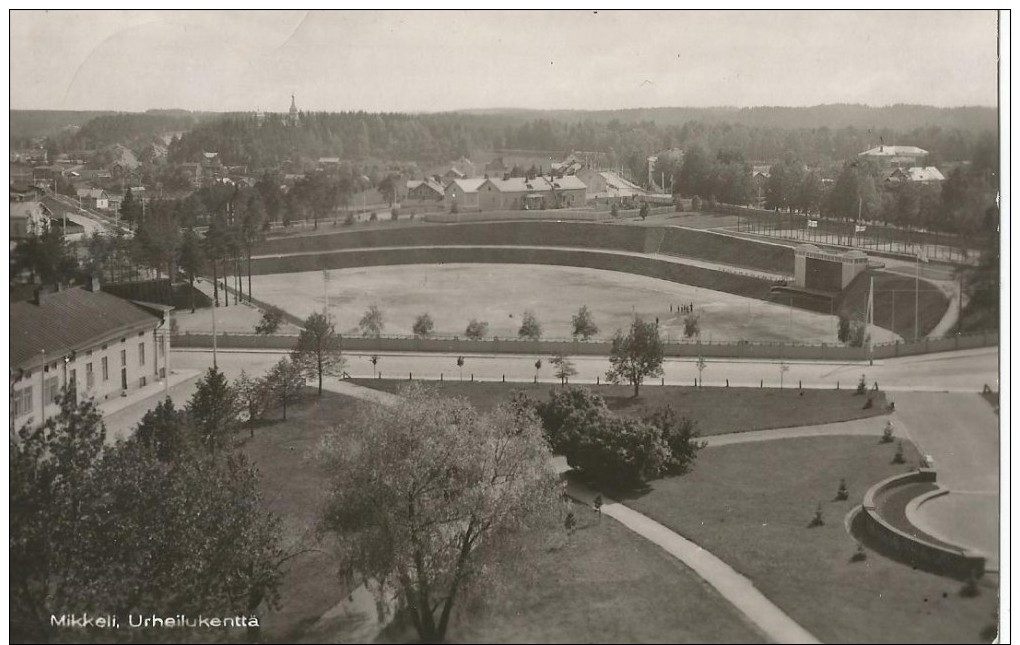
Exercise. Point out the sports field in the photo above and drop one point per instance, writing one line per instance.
(499, 294)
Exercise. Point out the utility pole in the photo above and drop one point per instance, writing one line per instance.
(871, 321)
(213, 336)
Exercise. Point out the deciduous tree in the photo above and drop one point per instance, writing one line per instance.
(584, 324)
(635, 356)
(432, 492)
(318, 349)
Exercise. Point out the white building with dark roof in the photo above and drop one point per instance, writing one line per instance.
(82, 338)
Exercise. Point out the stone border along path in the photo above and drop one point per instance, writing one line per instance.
(772, 621)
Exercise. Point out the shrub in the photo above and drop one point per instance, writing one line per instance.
(476, 329)
(842, 494)
(695, 203)
(898, 457)
(644, 211)
(614, 210)
(870, 403)
(860, 555)
(349, 220)
(270, 323)
(613, 450)
(395, 214)
(862, 387)
(887, 433)
(373, 217)
(678, 205)
(818, 519)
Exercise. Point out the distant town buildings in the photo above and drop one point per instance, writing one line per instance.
(896, 155)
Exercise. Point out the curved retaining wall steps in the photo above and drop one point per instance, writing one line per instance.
(915, 550)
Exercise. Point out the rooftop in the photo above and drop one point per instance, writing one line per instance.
(69, 320)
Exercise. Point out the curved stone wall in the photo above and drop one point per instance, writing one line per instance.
(918, 550)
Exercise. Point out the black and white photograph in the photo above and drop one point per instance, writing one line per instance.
(510, 326)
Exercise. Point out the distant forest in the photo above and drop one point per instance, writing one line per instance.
(821, 135)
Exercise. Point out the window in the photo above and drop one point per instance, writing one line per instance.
(123, 358)
(141, 353)
(106, 368)
(23, 401)
(51, 388)
(90, 378)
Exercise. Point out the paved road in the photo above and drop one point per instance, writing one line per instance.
(859, 427)
(965, 371)
(961, 433)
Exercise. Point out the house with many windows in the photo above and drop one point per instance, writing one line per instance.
(91, 342)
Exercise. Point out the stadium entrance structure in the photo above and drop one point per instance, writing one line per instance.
(818, 270)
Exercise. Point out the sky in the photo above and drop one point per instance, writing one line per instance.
(425, 61)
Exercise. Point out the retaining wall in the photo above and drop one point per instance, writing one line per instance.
(741, 285)
(519, 233)
(920, 553)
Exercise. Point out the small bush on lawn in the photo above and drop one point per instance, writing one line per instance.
(373, 218)
(819, 519)
(887, 434)
(860, 555)
(898, 457)
(842, 494)
(862, 387)
(870, 403)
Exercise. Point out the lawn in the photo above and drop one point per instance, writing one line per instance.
(607, 584)
(717, 410)
(750, 504)
(292, 488)
(604, 585)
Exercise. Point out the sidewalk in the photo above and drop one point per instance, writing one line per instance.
(115, 405)
(738, 590)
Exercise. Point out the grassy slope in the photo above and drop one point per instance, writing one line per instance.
(613, 586)
(750, 505)
(932, 303)
(604, 585)
(717, 410)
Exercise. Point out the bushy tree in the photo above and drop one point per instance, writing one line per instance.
(191, 260)
(476, 330)
(584, 324)
(423, 326)
(613, 450)
(284, 382)
(636, 356)
(318, 349)
(372, 323)
(253, 399)
(433, 492)
(132, 527)
(213, 411)
(165, 430)
(530, 329)
(692, 325)
(270, 322)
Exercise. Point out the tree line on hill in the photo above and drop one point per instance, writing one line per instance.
(242, 140)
